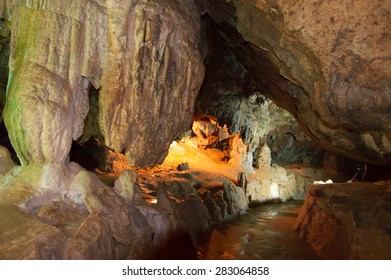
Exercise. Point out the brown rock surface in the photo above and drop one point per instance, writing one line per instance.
(347, 221)
(25, 237)
(92, 241)
(4, 57)
(6, 163)
(142, 54)
(46, 72)
(153, 75)
(61, 211)
(326, 62)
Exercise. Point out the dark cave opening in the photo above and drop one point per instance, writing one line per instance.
(88, 154)
(5, 141)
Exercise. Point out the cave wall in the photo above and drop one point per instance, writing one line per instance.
(230, 94)
(4, 57)
(148, 73)
(327, 63)
(160, 70)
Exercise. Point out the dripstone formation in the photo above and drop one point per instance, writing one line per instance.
(125, 75)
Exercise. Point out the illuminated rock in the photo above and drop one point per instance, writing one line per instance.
(125, 185)
(271, 182)
(239, 153)
(206, 130)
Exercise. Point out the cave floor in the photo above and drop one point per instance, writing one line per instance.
(266, 232)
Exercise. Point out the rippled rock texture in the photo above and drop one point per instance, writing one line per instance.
(4, 57)
(143, 55)
(347, 221)
(328, 63)
(153, 75)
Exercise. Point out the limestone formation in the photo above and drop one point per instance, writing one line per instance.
(209, 196)
(125, 185)
(6, 163)
(125, 74)
(47, 99)
(347, 221)
(61, 211)
(230, 94)
(149, 72)
(152, 76)
(272, 182)
(328, 63)
(4, 57)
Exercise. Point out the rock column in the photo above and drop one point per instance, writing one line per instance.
(45, 105)
(153, 75)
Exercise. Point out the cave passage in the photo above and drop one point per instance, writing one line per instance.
(129, 128)
(266, 232)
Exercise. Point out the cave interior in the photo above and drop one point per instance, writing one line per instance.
(154, 129)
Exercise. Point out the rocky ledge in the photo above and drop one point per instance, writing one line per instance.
(62, 211)
(348, 221)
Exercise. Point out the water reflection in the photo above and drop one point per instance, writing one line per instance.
(266, 232)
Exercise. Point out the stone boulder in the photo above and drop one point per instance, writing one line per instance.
(224, 199)
(125, 185)
(271, 182)
(25, 237)
(62, 211)
(347, 221)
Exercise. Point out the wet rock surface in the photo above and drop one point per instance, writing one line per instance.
(347, 221)
(266, 233)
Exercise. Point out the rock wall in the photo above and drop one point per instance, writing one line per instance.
(329, 69)
(327, 63)
(61, 211)
(230, 94)
(4, 57)
(347, 221)
(155, 72)
(148, 72)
